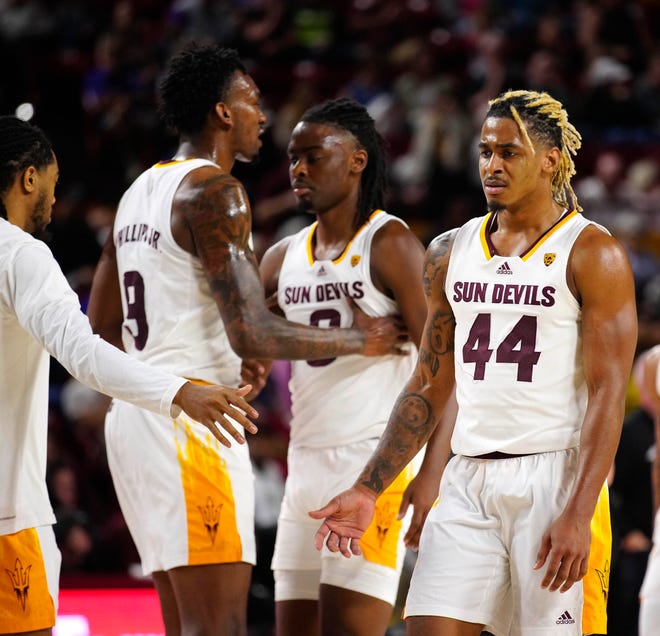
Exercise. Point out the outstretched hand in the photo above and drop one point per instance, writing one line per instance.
(213, 405)
(346, 517)
(383, 335)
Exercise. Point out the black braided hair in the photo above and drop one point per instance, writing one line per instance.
(352, 117)
(21, 145)
(542, 117)
(196, 80)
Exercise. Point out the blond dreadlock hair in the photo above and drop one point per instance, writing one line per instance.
(543, 118)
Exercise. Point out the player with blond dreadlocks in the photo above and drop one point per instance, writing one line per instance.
(531, 317)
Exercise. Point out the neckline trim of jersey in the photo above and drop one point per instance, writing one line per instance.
(487, 228)
(310, 241)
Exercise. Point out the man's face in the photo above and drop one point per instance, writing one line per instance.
(509, 168)
(43, 199)
(324, 165)
(244, 99)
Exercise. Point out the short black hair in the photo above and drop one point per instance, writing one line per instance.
(21, 145)
(196, 80)
(354, 118)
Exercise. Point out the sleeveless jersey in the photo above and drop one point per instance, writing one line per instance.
(170, 317)
(519, 376)
(326, 395)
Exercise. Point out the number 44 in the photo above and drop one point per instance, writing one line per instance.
(519, 347)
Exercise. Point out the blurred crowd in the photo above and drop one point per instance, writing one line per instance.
(87, 73)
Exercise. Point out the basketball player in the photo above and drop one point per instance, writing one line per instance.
(532, 315)
(355, 252)
(40, 315)
(649, 612)
(180, 252)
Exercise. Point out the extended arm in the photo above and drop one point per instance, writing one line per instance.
(49, 310)
(603, 283)
(217, 212)
(397, 264)
(414, 417)
(422, 402)
(423, 490)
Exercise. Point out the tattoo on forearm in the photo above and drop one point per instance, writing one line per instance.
(410, 425)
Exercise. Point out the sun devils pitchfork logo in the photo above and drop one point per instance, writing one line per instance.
(211, 516)
(604, 578)
(384, 517)
(20, 579)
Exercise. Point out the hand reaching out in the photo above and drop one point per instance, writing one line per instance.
(346, 517)
(212, 405)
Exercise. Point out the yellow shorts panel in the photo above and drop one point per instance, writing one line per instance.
(213, 535)
(380, 541)
(26, 603)
(186, 499)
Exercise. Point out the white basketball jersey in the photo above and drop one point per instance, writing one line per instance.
(170, 317)
(519, 377)
(349, 398)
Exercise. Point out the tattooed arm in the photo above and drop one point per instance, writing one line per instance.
(211, 219)
(414, 418)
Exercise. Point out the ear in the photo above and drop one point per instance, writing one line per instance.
(359, 160)
(551, 160)
(30, 179)
(223, 113)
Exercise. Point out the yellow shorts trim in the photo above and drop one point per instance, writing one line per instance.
(596, 582)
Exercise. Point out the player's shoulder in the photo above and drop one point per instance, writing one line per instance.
(210, 187)
(13, 238)
(595, 242)
(441, 245)
(392, 227)
(209, 173)
(278, 249)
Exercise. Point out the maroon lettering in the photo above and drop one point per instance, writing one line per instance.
(470, 292)
(523, 295)
(296, 295)
(138, 232)
(358, 291)
(548, 296)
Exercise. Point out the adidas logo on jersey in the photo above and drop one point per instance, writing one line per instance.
(565, 619)
(321, 271)
(504, 269)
